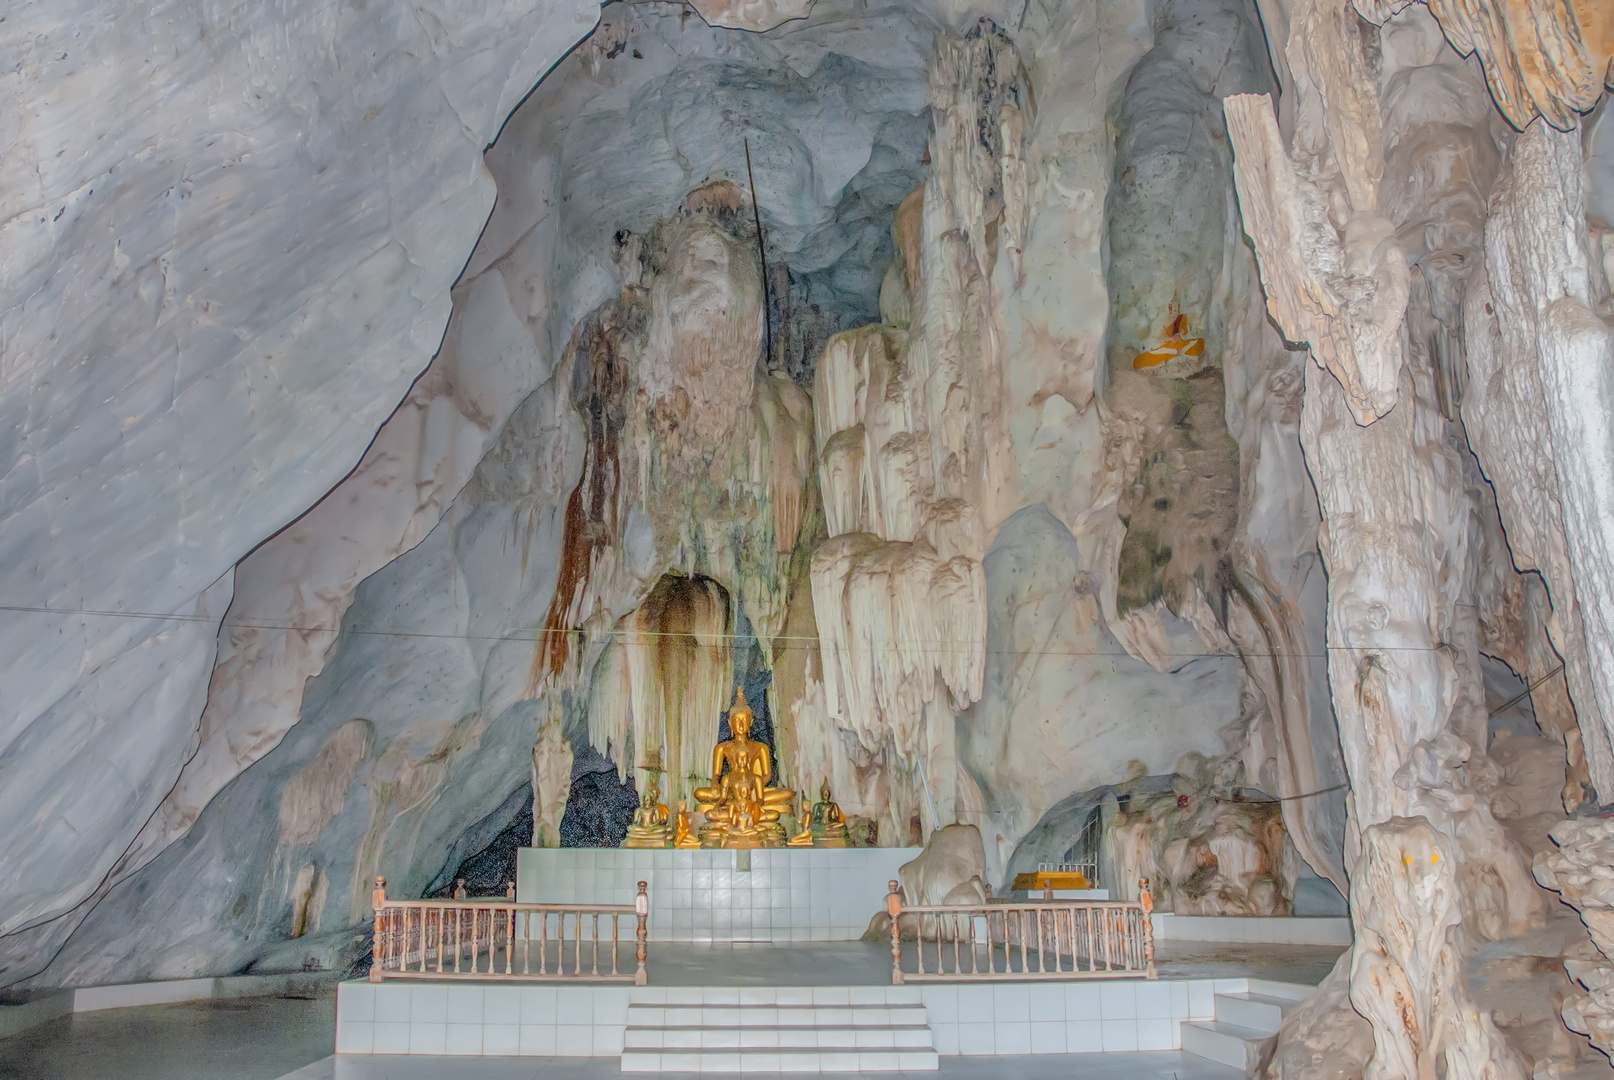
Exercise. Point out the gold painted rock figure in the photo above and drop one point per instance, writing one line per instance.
(828, 823)
(649, 828)
(741, 810)
(682, 837)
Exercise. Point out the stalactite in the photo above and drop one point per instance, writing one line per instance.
(680, 663)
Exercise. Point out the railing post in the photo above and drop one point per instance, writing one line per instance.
(893, 905)
(641, 910)
(378, 900)
(1146, 902)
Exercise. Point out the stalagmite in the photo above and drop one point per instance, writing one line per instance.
(551, 779)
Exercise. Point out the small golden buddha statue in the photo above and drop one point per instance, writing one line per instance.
(739, 805)
(682, 837)
(828, 823)
(804, 834)
(649, 828)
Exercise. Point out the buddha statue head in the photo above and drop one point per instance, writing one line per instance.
(823, 791)
(740, 716)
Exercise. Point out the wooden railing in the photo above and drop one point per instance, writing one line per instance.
(497, 938)
(1051, 939)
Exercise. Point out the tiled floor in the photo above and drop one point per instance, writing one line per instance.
(239, 1039)
(1165, 1065)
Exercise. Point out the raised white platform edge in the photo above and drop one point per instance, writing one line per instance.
(590, 1020)
(49, 1005)
(40, 1009)
(1276, 930)
(790, 894)
(169, 991)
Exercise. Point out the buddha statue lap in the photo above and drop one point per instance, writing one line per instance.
(741, 810)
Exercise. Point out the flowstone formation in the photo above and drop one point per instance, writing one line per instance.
(680, 491)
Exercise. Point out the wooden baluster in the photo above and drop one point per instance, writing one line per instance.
(378, 900)
(594, 939)
(616, 921)
(641, 933)
(975, 951)
(893, 907)
(543, 942)
(1146, 903)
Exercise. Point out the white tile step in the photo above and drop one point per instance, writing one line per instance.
(801, 1061)
(1272, 988)
(1226, 1044)
(679, 1039)
(1259, 1012)
(774, 1015)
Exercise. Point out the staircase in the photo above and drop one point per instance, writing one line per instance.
(777, 1029)
(1246, 1025)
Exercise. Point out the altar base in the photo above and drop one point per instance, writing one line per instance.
(764, 895)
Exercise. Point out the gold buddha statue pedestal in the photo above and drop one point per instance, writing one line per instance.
(741, 810)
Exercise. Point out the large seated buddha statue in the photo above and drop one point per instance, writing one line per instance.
(741, 810)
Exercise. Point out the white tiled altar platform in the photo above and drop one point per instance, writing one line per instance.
(1275, 930)
(789, 894)
(503, 1019)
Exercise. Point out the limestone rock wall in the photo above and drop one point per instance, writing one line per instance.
(229, 237)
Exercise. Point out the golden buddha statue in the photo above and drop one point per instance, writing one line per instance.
(804, 833)
(739, 805)
(649, 828)
(828, 823)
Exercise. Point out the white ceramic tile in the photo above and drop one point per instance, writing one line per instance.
(1012, 1037)
(1201, 999)
(1120, 1035)
(941, 1004)
(501, 1005)
(427, 1038)
(465, 1005)
(501, 1040)
(464, 1040)
(610, 1005)
(1010, 1001)
(945, 1038)
(1179, 1000)
(355, 1036)
(1046, 1002)
(538, 1040)
(538, 1005)
(607, 1040)
(356, 1001)
(1118, 1001)
(428, 1004)
(878, 1060)
(1047, 1037)
(1084, 1037)
(720, 1062)
(574, 1005)
(793, 995)
(574, 1040)
(975, 1004)
(1156, 1035)
(391, 1038)
(976, 1039)
(1153, 1000)
(1082, 1001)
(392, 1003)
